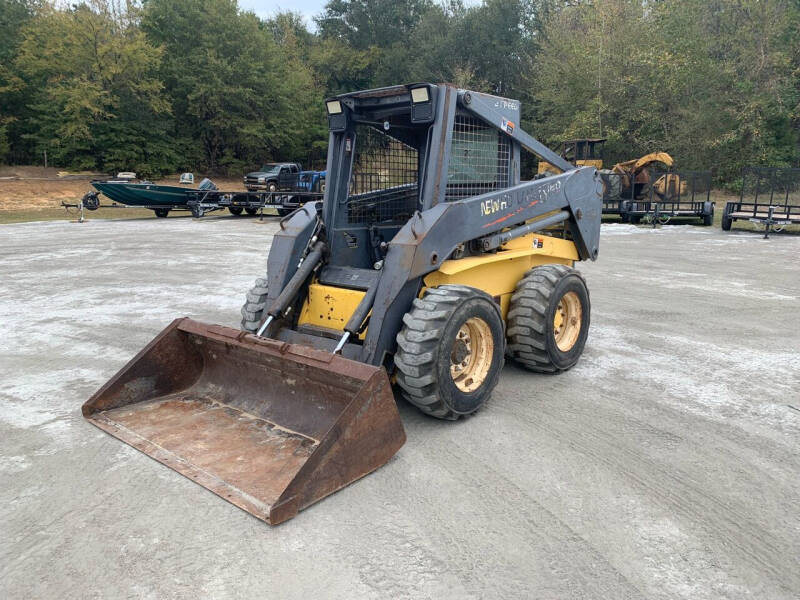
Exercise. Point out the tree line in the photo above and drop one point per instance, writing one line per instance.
(163, 85)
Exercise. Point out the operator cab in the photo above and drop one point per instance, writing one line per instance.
(582, 152)
(380, 175)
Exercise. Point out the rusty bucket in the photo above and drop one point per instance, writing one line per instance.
(269, 426)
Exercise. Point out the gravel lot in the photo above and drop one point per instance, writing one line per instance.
(665, 465)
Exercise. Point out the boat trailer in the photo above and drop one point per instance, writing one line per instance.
(202, 202)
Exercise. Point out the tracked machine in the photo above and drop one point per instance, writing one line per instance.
(427, 263)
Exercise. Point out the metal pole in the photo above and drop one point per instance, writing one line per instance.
(772, 186)
(741, 193)
(769, 221)
(755, 200)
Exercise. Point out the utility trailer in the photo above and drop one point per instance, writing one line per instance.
(291, 191)
(253, 203)
(673, 195)
(770, 197)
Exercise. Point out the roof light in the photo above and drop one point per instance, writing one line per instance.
(419, 95)
(334, 107)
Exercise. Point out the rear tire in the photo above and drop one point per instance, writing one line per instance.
(285, 211)
(623, 211)
(251, 211)
(91, 201)
(726, 220)
(254, 306)
(548, 319)
(235, 210)
(161, 213)
(708, 217)
(450, 351)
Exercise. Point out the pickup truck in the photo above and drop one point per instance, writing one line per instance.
(273, 177)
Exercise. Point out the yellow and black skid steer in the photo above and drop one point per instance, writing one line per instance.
(428, 260)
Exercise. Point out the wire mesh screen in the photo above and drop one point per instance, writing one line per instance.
(480, 159)
(771, 185)
(384, 181)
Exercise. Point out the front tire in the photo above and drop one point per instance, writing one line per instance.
(235, 210)
(161, 213)
(548, 319)
(450, 351)
(251, 211)
(254, 306)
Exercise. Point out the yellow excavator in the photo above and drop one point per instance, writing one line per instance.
(582, 152)
(428, 263)
(630, 179)
(627, 180)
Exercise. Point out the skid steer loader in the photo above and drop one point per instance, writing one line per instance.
(428, 260)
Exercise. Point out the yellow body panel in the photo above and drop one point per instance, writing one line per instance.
(597, 163)
(497, 274)
(670, 185)
(328, 306)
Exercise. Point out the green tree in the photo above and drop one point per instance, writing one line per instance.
(238, 97)
(364, 24)
(14, 14)
(95, 100)
(714, 83)
(309, 141)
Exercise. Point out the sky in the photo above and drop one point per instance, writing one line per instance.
(267, 8)
(308, 8)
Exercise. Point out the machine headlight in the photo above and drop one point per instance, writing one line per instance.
(262, 179)
(334, 107)
(419, 94)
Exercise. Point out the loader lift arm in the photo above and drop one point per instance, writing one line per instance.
(429, 238)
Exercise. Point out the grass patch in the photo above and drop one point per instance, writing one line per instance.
(60, 214)
(120, 214)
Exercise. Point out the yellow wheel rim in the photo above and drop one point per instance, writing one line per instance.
(471, 354)
(567, 321)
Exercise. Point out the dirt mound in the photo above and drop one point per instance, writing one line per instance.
(39, 188)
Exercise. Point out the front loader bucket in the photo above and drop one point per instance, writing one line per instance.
(271, 427)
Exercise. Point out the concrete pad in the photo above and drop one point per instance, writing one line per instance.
(665, 465)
